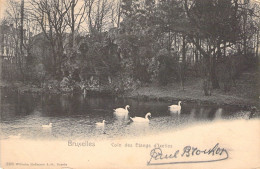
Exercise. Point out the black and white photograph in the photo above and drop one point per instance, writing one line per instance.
(123, 84)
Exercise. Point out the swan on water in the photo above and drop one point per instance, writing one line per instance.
(175, 108)
(101, 124)
(122, 111)
(47, 126)
(141, 119)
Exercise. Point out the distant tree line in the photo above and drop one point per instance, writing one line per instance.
(120, 45)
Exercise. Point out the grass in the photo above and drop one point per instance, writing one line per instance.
(244, 93)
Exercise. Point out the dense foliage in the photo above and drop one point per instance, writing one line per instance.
(149, 41)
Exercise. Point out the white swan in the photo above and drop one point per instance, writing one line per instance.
(122, 111)
(47, 126)
(15, 136)
(101, 124)
(175, 108)
(141, 119)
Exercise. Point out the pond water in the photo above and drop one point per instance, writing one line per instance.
(75, 116)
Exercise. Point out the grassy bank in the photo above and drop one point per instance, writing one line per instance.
(245, 92)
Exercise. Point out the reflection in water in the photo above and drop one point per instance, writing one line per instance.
(122, 118)
(101, 128)
(218, 114)
(201, 112)
(139, 128)
(205, 112)
(175, 111)
(47, 132)
(192, 115)
(74, 116)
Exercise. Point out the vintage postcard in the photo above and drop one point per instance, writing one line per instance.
(122, 84)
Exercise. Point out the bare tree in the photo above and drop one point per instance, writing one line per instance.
(74, 19)
(116, 13)
(89, 5)
(98, 14)
(14, 17)
(50, 14)
(21, 39)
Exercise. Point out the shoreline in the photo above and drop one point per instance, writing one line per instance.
(155, 94)
(244, 94)
(199, 98)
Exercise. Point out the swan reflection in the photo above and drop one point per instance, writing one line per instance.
(218, 114)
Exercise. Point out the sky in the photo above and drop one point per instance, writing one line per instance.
(4, 5)
(2, 8)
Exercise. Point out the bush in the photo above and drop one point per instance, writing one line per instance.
(67, 85)
(52, 84)
(168, 67)
(123, 84)
(230, 68)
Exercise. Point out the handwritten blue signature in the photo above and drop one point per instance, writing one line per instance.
(157, 157)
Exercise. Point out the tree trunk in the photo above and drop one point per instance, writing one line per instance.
(257, 44)
(207, 68)
(196, 52)
(60, 56)
(119, 14)
(245, 33)
(245, 47)
(183, 49)
(199, 51)
(90, 19)
(183, 61)
(214, 79)
(72, 25)
(207, 77)
(224, 50)
(169, 39)
(21, 40)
